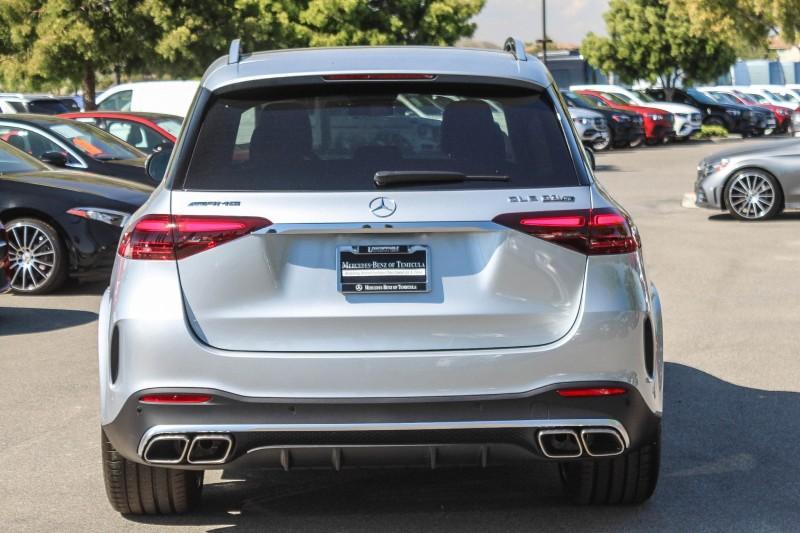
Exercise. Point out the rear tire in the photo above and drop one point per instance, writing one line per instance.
(636, 142)
(629, 479)
(138, 489)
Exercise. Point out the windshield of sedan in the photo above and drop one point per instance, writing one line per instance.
(171, 125)
(700, 97)
(644, 97)
(620, 98)
(724, 98)
(13, 160)
(616, 98)
(94, 142)
(577, 99)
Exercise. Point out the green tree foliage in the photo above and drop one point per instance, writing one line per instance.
(46, 43)
(357, 22)
(192, 34)
(746, 21)
(655, 40)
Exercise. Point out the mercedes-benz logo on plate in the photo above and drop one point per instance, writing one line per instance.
(382, 206)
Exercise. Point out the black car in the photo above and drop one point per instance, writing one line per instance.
(735, 118)
(625, 128)
(63, 142)
(60, 223)
(5, 263)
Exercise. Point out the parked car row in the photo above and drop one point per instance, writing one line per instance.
(679, 113)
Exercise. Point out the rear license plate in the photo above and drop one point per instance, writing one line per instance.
(383, 268)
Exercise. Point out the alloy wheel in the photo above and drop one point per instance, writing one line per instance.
(32, 254)
(751, 195)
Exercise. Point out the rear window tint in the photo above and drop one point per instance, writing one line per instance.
(331, 140)
(47, 107)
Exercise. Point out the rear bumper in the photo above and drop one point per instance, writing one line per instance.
(296, 433)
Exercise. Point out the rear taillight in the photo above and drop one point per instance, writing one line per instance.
(166, 237)
(589, 231)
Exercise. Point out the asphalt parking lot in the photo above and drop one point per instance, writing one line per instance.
(731, 296)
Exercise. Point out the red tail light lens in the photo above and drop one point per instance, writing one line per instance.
(168, 398)
(591, 392)
(590, 231)
(166, 237)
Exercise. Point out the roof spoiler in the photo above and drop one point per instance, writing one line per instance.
(235, 52)
(516, 47)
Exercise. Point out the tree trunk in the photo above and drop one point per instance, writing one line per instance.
(117, 74)
(89, 86)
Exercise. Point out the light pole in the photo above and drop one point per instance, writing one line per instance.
(544, 40)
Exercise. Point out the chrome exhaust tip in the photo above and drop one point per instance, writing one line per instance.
(166, 449)
(602, 442)
(209, 449)
(560, 443)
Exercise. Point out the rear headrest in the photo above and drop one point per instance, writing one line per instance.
(470, 133)
(284, 130)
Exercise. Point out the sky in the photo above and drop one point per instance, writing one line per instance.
(567, 20)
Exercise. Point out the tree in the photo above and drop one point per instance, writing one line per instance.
(49, 42)
(44, 43)
(193, 34)
(749, 21)
(655, 40)
(375, 22)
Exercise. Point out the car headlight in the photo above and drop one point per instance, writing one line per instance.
(733, 112)
(620, 118)
(107, 216)
(656, 116)
(711, 167)
(583, 121)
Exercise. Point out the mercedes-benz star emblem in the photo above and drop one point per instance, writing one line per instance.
(382, 206)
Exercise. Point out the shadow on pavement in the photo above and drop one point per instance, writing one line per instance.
(726, 217)
(728, 464)
(21, 320)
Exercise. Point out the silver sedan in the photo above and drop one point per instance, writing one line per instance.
(753, 182)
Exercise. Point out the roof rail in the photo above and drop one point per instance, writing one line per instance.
(516, 47)
(235, 51)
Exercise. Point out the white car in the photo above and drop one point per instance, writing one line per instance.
(762, 95)
(592, 128)
(688, 119)
(786, 93)
(168, 97)
(42, 104)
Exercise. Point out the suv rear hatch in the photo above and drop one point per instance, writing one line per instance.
(329, 258)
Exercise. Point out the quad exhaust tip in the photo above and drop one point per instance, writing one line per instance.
(212, 449)
(209, 450)
(601, 442)
(560, 443)
(570, 444)
(166, 449)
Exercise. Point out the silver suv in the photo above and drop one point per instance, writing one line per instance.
(324, 280)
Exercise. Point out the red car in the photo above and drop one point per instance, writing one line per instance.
(658, 124)
(145, 131)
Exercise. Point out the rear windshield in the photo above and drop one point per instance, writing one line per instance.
(47, 107)
(337, 137)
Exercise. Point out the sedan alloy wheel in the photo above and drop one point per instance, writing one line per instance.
(36, 256)
(753, 195)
